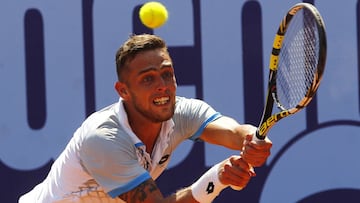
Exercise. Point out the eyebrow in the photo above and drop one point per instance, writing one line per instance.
(163, 66)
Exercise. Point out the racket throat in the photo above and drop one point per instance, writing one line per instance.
(270, 122)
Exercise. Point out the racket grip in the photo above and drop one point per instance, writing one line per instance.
(258, 137)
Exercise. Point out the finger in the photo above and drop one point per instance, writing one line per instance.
(247, 140)
(261, 145)
(239, 164)
(235, 176)
(256, 154)
(249, 137)
(255, 160)
(251, 152)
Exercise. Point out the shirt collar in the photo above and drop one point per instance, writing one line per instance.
(162, 141)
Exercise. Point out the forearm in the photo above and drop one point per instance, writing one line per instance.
(227, 132)
(149, 192)
(204, 190)
(183, 195)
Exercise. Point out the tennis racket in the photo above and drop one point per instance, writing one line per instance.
(297, 64)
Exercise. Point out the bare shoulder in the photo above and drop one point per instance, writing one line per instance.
(145, 192)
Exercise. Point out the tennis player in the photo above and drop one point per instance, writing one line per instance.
(118, 152)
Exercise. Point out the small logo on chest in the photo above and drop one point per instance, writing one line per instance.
(164, 159)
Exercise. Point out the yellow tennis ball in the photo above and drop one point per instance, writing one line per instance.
(153, 14)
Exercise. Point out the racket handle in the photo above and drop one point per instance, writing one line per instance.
(258, 137)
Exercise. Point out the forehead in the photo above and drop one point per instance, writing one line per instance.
(150, 58)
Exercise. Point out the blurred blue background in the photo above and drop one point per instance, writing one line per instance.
(57, 65)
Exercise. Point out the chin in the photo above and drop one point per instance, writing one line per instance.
(162, 118)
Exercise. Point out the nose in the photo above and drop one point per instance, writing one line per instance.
(161, 86)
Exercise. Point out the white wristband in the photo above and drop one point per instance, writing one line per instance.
(208, 186)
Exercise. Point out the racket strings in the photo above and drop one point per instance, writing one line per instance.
(297, 60)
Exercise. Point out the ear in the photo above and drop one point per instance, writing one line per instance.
(121, 89)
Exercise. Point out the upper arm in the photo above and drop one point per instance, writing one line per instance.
(111, 162)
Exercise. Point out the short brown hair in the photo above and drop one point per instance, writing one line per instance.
(134, 45)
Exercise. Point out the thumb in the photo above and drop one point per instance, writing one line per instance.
(248, 138)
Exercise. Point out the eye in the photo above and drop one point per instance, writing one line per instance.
(168, 75)
(148, 79)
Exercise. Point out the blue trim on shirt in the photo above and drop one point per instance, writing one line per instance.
(196, 135)
(139, 144)
(129, 186)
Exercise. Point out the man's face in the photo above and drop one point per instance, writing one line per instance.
(150, 85)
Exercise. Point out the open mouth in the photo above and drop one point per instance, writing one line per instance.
(161, 100)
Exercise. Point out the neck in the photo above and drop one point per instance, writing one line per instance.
(147, 133)
(146, 130)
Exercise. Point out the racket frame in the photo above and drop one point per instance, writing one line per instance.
(268, 119)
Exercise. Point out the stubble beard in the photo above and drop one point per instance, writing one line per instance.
(156, 117)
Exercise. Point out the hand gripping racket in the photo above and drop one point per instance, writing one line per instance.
(297, 64)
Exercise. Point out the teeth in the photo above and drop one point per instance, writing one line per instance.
(161, 100)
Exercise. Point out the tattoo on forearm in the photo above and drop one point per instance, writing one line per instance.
(140, 193)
